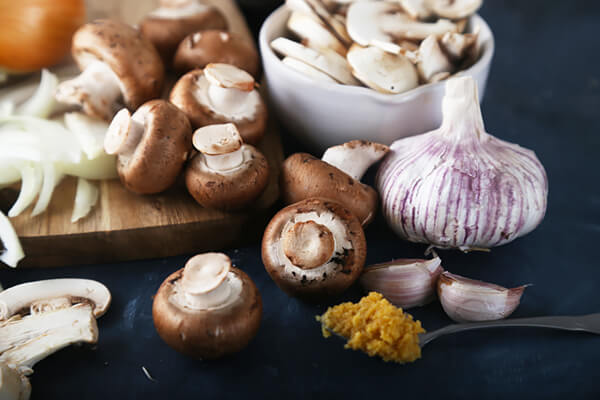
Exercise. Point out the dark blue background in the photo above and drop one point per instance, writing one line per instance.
(543, 93)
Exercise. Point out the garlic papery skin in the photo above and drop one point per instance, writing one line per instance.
(405, 283)
(466, 300)
(458, 186)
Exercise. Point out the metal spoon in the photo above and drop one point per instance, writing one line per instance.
(583, 323)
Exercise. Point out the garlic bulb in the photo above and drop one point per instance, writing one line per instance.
(458, 186)
(406, 282)
(466, 299)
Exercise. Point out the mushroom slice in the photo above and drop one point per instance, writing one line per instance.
(117, 63)
(314, 248)
(337, 26)
(227, 174)
(382, 23)
(13, 384)
(454, 9)
(382, 71)
(458, 45)
(307, 70)
(207, 309)
(38, 295)
(169, 24)
(433, 64)
(417, 9)
(324, 60)
(220, 94)
(152, 145)
(314, 33)
(335, 177)
(199, 49)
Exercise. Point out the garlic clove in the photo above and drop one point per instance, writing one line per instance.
(405, 282)
(466, 300)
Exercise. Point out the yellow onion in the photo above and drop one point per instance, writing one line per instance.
(37, 33)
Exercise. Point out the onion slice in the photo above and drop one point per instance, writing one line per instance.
(13, 252)
(89, 131)
(85, 198)
(31, 180)
(42, 102)
(51, 179)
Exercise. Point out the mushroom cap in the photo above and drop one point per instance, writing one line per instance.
(232, 190)
(212, 333)
(320, 282)
(304, 176)
(184, 96)
(131, 57)
(167, 33)
(216, 46)
(161, 152)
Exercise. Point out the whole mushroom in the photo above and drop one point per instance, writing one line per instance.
(335, 177)
(199, 49)
(314, 248)
(152, 145)
(226, 174)
(208, 309)
(169, 24)
(219, 94)
(119, 66)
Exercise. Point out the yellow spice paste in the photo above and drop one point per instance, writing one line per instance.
(376, 327)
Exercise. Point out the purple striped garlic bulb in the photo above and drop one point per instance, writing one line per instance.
(458, 186)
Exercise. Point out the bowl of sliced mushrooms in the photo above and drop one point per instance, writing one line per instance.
(339, 70)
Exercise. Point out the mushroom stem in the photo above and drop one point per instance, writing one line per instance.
(354, 158)
(230, 99)
(13, 384)
(225, 162)
(308, 244)
(123, 134)
(97, 90)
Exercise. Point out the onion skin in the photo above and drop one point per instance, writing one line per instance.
(37, 33)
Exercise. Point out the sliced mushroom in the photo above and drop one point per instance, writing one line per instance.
(219, 94)
(227, 174)
(169, 24)
(417, 9)
(307, 70)
(314, 248)
(152, 146)
(382, 24)
(208, 309)
(433, 64)
(13, 384)
(199, 49)
(117, 63)
(325, 60)
(318, 9)
(336, 177)
(382, 71)
(314, 33)
(454, 9)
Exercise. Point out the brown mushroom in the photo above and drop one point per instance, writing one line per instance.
(152, 145)
(314, 248)
(219, 94)
(208, 309)
(169, 24)
(199, 49)
(118, 65)
(227, 174)
(335, 177)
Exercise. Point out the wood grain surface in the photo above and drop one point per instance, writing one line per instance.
(126, 226)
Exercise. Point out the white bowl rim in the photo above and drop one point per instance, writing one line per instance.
(266, 51)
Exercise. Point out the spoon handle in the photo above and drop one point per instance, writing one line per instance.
(584, 323)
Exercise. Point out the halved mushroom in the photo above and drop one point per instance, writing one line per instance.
(199, 49)
(40, 318)
(382, 24)
(454, 9)
(314, 33)
(325, 60)
(208, 309)
(169, 24)
(433, 64)
(152, 145)
(314, 248)
(335, 177)
(219, 94)
(227, 174)
(118, 64)
(382, 71)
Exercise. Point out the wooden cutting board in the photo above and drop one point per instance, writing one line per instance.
(126, 226)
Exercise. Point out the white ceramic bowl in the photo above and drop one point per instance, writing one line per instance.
(324, 114)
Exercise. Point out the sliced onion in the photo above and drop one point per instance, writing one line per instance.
(89, 131)
(85, 198)
(51, 179)
(42, 102)
(102, 167)
(13, 252)
(8, 174)
(31, 180)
